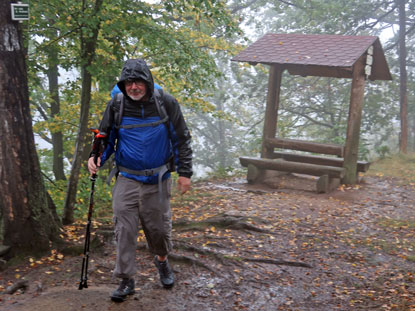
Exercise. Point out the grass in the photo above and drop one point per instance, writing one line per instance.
(400, 166)
(397, 223)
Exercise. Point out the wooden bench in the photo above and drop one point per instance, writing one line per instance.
(330, 170)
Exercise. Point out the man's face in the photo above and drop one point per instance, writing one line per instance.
(136, 89)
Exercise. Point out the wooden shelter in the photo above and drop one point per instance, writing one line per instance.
(355, 57)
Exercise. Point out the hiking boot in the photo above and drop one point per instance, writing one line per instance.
(166, 273)
(126, 288)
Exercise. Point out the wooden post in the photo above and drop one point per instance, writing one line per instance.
(271, 111)
(353, 124)
(253, 174)
(326, 184)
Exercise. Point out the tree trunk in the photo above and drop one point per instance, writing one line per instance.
(28, 221)
(403, 143)
(88, 46)
(223, 146)
(57, 137)
(68, 216)
(413, 135)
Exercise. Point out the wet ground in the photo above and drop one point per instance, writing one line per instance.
(279, 246)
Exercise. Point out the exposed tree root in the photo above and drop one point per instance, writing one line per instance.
(189, 260)
(278, 262)
(22, 284)
(194, 249)
(225, 259)
(183, 258)
(220, 221)
(76, 249)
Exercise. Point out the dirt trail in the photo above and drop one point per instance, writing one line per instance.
(242, 247)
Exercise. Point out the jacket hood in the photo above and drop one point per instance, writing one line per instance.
(136, 69)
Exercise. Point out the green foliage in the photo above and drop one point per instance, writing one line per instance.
(235, 129)
(382, 151)
(179, 39)
(226, 172)
(102, 195)
(57, 191)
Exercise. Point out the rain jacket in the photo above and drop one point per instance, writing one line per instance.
(142, 145)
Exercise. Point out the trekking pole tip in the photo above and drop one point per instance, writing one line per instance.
(82, 285)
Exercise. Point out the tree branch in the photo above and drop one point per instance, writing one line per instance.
(58, 38)
(377, 21)
(410, 29)
(45, 138)
(239, 7)
(292, 4)
(42, 112)
(52, 182)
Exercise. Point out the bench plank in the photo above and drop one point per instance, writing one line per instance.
(301, 145)
(362, 166)
(294, 167)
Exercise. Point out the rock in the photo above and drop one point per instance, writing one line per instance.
(4, 249)
(3, 264)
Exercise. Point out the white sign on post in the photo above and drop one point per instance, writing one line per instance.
(20, 11)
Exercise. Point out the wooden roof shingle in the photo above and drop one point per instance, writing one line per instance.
(317, 55)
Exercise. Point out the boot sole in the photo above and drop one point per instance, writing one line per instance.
(120, 298)
(168, 286)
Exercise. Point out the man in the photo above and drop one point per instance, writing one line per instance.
(151, 137)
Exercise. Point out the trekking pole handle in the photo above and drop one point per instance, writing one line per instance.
(96, 147)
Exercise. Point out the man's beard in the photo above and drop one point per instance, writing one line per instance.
(137, 97)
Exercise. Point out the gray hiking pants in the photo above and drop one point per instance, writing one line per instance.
(135, 202)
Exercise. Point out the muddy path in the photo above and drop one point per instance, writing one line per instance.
(279, 246)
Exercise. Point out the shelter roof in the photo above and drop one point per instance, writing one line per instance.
(317, 55)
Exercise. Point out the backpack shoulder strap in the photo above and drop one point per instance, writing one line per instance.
(158, 98)
(119, 98)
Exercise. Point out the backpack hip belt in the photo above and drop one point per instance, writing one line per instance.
(161, 170)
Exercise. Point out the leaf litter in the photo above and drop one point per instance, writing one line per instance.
(246, 247)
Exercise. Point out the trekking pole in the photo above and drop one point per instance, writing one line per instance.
(84, 273)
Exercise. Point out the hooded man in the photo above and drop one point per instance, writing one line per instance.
(146, 130)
